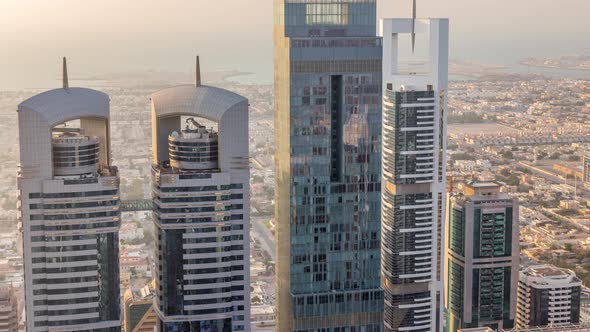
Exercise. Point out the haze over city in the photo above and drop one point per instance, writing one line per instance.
(295, 165)
(110, 36)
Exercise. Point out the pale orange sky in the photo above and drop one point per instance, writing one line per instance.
(101, 36)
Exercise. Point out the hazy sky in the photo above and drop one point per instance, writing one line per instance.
(102, 36)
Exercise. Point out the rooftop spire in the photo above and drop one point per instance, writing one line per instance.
(198, 73)
(413, 26)
(65, 75)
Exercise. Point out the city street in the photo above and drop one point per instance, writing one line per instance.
(263, 234)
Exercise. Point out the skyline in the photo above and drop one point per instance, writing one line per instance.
(380, 182)
(111, 37)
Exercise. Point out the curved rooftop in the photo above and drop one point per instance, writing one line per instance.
(61, 105)
(203, 101)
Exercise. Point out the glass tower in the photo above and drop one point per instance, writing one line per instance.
(482, 259)
(328, 159)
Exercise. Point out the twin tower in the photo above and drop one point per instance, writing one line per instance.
(71, 210)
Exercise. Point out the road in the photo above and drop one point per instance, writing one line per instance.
(555, 179)
(263, 235)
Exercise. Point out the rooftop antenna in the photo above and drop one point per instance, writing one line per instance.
(198, 73)
(65, 75)
(413, 26)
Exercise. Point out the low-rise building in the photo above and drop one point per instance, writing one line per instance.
(8, 310)
(262, 313)
(133, 262)
(569, 204)
(130, 232)
(139, 314)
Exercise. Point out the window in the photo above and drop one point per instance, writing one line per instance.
(326, 14)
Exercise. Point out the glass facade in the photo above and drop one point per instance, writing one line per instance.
(456, 279)
(220, 325)
(493, 298)
(492, 234)
(328, 125)
(457, 231)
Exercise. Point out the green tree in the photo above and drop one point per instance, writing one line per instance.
(512, 180)
(147, 236)
(257, 179)
(462, 156)
(507, 154)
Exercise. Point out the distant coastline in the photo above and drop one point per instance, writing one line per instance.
(236, 74)
(158, 79)
(460, 70)
(576, 62)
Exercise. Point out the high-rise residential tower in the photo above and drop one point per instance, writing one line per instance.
(548, 295)
(200, 184)
(70, 211)
(414, 172)
(328, 158)
(482, 246)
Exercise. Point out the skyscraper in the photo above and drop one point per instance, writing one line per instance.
(414, 172)
(328, 157)
(482, 259)
(548, 295)
(200, 184)
(70, 211)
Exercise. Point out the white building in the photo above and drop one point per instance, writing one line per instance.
(263, 313)
(465, 165)
(547, 295)
(130, 232)
(70, 211)
(414, 172)
(200, 179)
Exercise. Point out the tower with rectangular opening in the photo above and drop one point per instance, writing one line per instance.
(200, 189)
(414, 168)
(69, 212)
